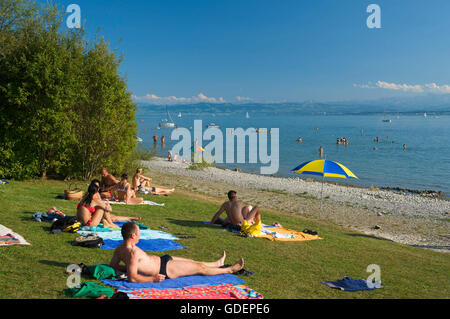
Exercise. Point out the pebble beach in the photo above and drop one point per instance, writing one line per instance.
(411, 219)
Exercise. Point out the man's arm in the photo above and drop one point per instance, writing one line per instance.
(134, 276)
(113, 179)
(115, 263)
(216, 216)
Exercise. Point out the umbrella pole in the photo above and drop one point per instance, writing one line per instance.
(321, 200)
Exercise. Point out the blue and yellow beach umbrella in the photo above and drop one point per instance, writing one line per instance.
(324, 168)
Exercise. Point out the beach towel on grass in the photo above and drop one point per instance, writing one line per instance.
(151, 240)
(146, 244)
(117, 235)
(222, 291)
(350, 284)
(181, 282)
(281, 234)
(145, 202)
(284, 234)
(9, 238)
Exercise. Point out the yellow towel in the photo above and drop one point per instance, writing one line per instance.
(299, 236)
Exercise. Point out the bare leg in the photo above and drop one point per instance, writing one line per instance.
(107, 221)
(134, 201)
(95, 218)
(162, 191)
(181, 268)
(250, 213)
(115, 218)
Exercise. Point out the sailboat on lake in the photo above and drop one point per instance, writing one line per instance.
(165, 122)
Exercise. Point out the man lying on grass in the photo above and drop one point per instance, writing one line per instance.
(142, 268)
(237, 214)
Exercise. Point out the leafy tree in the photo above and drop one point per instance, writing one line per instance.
(63, 107)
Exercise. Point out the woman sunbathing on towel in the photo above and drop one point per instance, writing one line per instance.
(125, 193)
(92, 211)
(141, 184)
(143, 268)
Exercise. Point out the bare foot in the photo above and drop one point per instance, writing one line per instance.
(136, 218)
(221, 261)
(238, 266)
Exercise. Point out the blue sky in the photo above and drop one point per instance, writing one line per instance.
(289, 50)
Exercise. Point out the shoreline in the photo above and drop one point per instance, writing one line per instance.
(396, 190)
(404, 218)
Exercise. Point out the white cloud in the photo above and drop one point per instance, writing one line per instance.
(402, 87)
(243, 98)
(430, 88)
(433, 87)
(154, 99)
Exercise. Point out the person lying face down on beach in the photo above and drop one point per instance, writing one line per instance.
(142, 268)
(108, 184)
(141, 183)
(237, 214)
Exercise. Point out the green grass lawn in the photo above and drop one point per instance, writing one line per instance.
(287, 270)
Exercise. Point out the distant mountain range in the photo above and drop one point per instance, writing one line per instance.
(430, 103)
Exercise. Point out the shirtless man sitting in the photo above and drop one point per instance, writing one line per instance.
(143, 268)
(108, 184)
(236, 213)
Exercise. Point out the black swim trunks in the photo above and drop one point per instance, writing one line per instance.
(163, 268)
(232, 227)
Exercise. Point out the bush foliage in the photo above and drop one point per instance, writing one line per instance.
(64, 109)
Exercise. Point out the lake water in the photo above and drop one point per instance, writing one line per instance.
(425, 164)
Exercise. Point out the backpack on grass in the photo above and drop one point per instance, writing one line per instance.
(88, 241)
(67, 224)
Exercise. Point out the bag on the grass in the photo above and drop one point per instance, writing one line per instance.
(65, 223)
(88, 241)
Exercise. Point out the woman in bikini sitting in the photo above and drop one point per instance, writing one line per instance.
(125, 193)
(91, 212)
(113, 218)
(142, 184)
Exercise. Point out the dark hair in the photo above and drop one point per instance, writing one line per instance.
(128, 229)
(231, 195)
(92, 190)
(95, 181)
(124, 176)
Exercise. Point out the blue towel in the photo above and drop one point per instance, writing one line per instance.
(178, 282)
(146, 244)
(350, 284)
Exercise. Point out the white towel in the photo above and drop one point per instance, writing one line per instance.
(4, 231)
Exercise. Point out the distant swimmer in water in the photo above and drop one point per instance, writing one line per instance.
(155, 138)
(404, 146)
(300, 140)
(376, 139)
(321, 152)
(375, 148)
(338, 141)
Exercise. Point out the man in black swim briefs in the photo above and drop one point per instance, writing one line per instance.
(142, 268)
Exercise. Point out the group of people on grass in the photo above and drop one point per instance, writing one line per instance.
(94, 207)
(141, 267)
